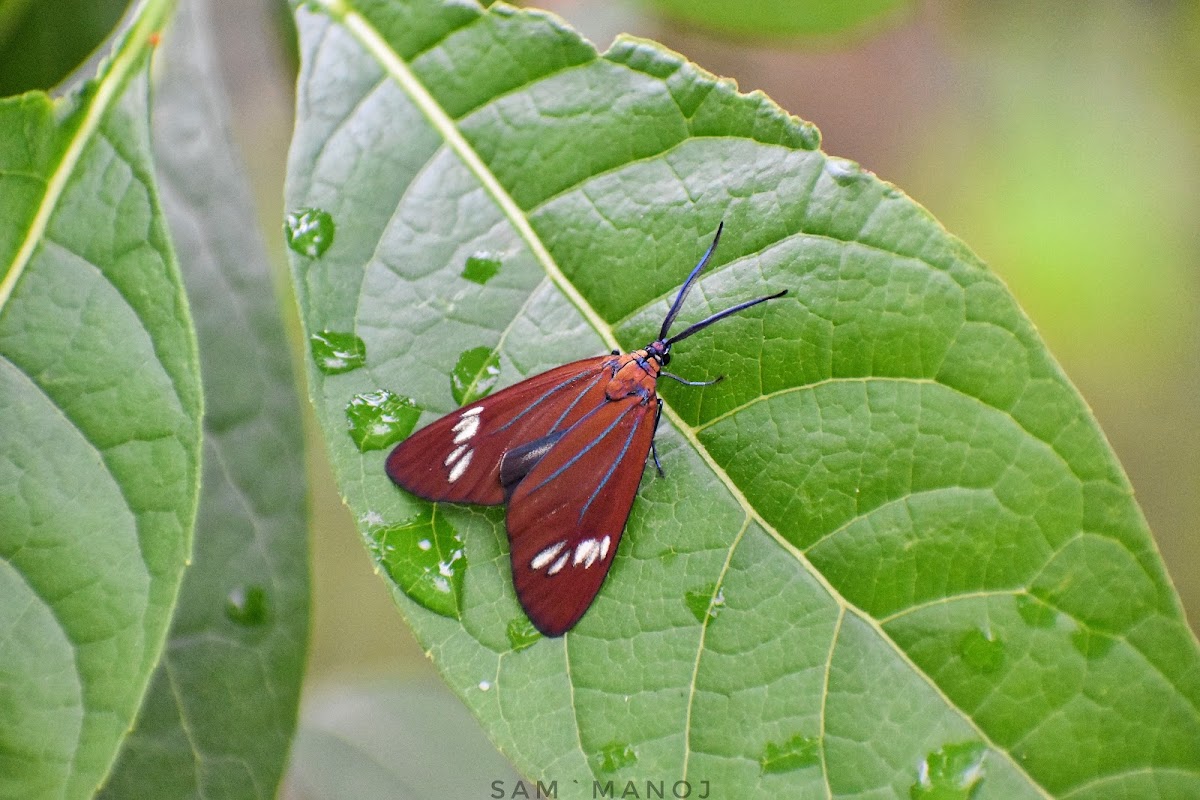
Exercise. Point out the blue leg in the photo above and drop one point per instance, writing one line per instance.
(675, 377)
(653, 447)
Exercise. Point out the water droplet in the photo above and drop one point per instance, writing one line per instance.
(613, 757)
(379, 419)
(796, 753)
(1092, 644)
(1035, 613)
(703, 604)
(424, 556)
(981, 650)
(522, 634)
(953, 773)
(336, 351)
(474, 375)
(481, 267)
(485, 685)
(247, 605)
(309, 231)
(843, 171)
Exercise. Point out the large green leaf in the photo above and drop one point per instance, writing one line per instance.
(100, 439)
(222, 706)
(892, 554)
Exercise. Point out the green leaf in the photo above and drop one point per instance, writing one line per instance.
(893, 538)
(780, 18)
(100, 441)
(219, 717)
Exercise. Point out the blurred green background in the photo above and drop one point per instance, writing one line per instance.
(1061, 141)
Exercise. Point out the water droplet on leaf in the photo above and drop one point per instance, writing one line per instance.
(522, 634)
(1092, 644)
(981, 650)
(309, 231)
(796, 753)
(481, 267)
(485, 685)
(474, 375)
(613, 757)
(703, 604)
(1035, 613)
(335, 352)
(379, 419)
(953, 773)
(424, 556)
(247, 606)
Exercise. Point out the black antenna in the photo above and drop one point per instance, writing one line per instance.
(704, 323)
(687, 285)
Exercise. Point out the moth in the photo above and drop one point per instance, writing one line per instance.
(565, 450)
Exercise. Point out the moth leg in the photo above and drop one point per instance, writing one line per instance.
(675, 377)
(654, 436)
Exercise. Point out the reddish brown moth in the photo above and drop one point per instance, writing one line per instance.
(565, 450)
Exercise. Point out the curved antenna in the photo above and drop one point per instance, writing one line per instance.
(704, 323)
(687, 285)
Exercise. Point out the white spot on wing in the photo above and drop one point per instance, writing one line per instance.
(558, 565)
(466, 427)
(546, 556)
(460, 466)
(472, 412)
(586, 552)
(455, 454)
(604, 543)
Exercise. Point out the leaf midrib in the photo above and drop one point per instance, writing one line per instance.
(437, 117)
(446, 127)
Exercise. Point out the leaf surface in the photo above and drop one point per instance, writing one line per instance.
(220, 713)
(100, 440)
(925, 572)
